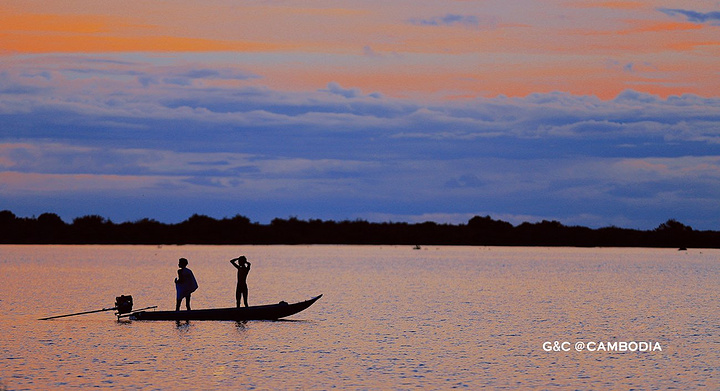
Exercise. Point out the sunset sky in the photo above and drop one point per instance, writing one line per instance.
(592, 113)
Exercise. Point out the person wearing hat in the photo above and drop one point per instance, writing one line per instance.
(185, 284)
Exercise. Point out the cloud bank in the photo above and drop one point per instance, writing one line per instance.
(693, 16)
(129, 140)
(467, 21)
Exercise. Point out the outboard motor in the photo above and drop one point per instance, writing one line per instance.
(123, 304)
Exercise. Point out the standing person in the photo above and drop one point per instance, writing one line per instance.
(185, 284)
(243, 268)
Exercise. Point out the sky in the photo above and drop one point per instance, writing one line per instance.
(592, 113)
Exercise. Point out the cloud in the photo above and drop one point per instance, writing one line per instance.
(693, 16)
(468, 21)
(334, 88)
(466, 180)
(184, 76)
(222, 74)
(336, 150)
(369, 52)
(154, 110)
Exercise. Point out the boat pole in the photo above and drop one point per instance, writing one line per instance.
(135, 311)
(78, 313)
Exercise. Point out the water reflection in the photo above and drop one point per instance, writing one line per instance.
(484, 325)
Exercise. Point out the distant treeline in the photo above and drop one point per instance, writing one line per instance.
(49, 228)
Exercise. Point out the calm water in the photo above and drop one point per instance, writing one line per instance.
(390, 318)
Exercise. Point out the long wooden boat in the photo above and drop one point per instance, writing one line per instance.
(260, 312)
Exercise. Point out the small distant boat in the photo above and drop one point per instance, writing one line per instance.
(417, 247)
(260, 312)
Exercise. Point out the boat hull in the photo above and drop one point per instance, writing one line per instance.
(261, 312)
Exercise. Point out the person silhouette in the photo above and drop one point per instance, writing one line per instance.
(243, 268)
(185, 284)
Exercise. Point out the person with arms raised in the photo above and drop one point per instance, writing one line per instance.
(243, 268)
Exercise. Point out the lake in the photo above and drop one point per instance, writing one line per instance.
(390, 318)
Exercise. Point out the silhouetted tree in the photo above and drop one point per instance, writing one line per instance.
(673, 233)
(93, 229)
(486, 231)
(51, 229)
(674, 226)
(7, 217)
(200, 229)
(11, 228)
(144, 231)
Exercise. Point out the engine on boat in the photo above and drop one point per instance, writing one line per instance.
(123, 304)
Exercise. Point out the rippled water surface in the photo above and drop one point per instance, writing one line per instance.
(390, 318)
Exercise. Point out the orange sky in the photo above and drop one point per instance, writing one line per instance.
(401, 49)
